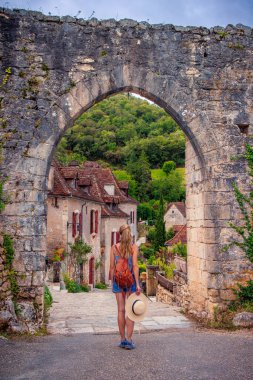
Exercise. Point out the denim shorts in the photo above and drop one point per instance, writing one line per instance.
(117, 289)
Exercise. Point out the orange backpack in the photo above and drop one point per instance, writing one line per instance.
(123, 276)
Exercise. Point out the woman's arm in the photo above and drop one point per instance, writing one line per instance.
(136, 268)
(111, 272)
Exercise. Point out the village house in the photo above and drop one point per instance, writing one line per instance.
(87, 203)
(175, 214)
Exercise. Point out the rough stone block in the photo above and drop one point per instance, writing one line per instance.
(227, 295)
(244, 319)
(38, 278)
(24, 280)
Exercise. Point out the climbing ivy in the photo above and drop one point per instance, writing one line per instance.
(245, 202)
(12, 274)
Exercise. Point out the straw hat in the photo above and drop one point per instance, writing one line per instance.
(136, 307)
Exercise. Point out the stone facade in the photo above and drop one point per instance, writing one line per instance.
(86, 203)
(201, 77)
(175, 215)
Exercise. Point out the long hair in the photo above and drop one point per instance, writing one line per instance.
(125, 241)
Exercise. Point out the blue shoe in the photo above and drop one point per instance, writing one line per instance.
(129, 345)
(122, 344)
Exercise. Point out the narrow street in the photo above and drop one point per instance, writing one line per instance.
(96, 313)
(83, 345)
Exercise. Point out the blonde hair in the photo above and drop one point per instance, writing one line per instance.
(125, 241)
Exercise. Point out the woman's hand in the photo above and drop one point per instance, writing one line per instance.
(138, 290)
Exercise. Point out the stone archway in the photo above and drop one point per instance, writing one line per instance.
(61, 67)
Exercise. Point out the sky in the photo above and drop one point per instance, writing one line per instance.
(178, 12)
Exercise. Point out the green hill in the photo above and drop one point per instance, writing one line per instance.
(120, 127)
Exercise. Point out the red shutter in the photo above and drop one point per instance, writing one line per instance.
(112, 238)
(73, 224)
(91, 221)
(117, 237)
(96, 221)
(80, 225)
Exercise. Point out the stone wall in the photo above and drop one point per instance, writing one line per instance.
(201, 77)
(181, 290)
(164, 295)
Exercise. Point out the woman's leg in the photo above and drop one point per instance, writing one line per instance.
(121, 314)
(129, 324)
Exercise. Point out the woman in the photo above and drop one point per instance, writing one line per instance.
(125, 249)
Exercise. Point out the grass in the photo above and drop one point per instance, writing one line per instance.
(122, 175)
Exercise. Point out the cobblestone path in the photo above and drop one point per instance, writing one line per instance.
(96, 313)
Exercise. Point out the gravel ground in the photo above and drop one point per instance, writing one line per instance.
(178, 354)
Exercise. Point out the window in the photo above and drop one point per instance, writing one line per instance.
(132, 217)
(110, 189)
(94, 221)
(74, 220)
(114, 237)
(80, 225)
(92, 215)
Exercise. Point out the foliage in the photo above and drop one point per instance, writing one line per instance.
(12, 274)
(245, 202)
(145, 211)
(151, 260)
(59, 254)
(98, 263)
(172, 187)
(72, 286)
(142, 267)
(170, 234)
(168, 167)
(100, 285)
(160, 233)
(147, 251)
(48, 298)
(245, 293)
(141, 174)
(166, 268)
(245, 231)
(179, 249)
(151, 235)
(8, 250)
(78, 255)
(121, 125)
(6, 77)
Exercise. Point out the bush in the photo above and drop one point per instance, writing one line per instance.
(147, 251)
(48, 299)
(100, 285)
(74, 287)
(166, 268)
(245, 293)
(179, 249)
(152, 260)
(142, 267)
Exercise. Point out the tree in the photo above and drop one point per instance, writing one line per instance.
(160, 232)
(140, 172)
(168, 167)
(245, 231)
(78, 255)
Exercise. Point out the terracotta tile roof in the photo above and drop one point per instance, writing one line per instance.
(90, 181)
(177, 227)
(84, 181)
(106, 212)
(179, 205)
(124, 185)
(181, 236)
